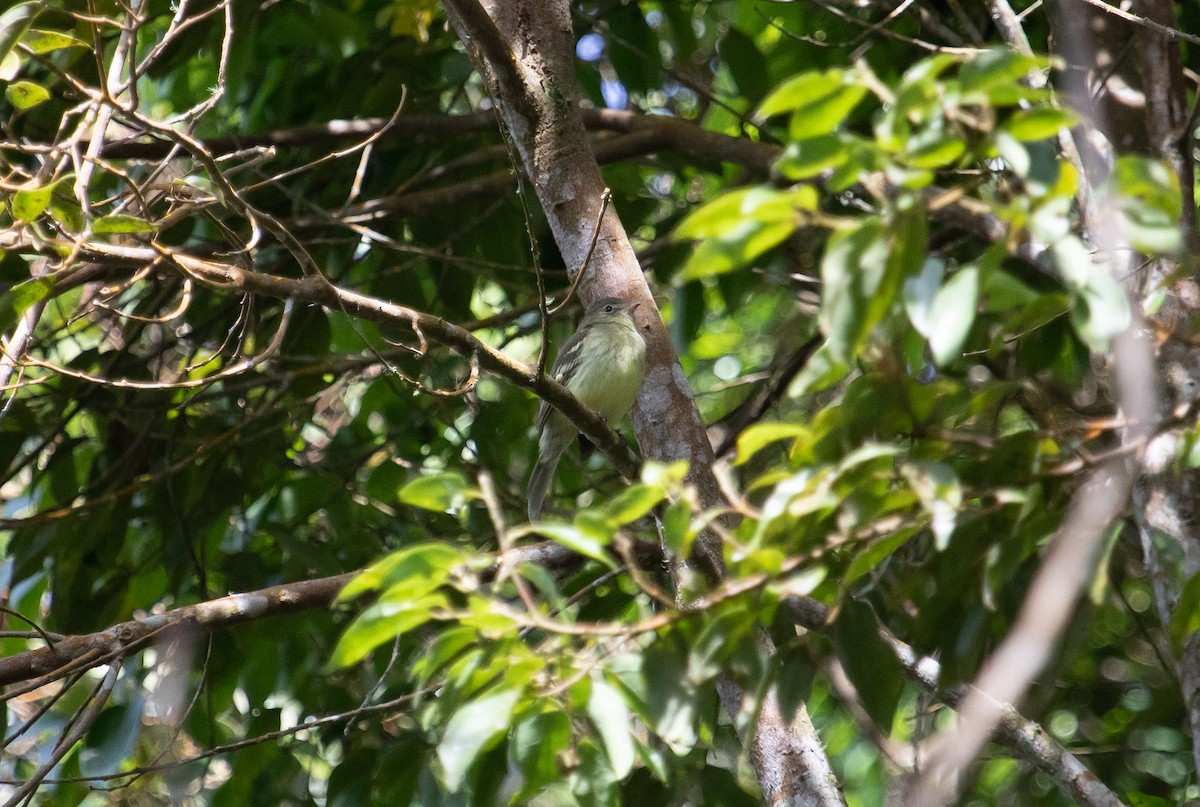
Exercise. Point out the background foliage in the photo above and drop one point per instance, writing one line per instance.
(907, 289)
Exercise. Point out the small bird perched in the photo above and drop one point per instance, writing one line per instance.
(603, 365)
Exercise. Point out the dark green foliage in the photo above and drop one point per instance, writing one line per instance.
(908, 475)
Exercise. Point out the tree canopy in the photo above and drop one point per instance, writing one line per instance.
(905, 513)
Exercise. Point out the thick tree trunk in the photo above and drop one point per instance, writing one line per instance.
(526, 50)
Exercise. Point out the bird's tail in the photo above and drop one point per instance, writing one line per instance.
(539, 481)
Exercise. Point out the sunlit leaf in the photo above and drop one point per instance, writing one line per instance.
(728, 214)
(17, 300)
(634, 502)
(536, 743)
(431, 562)
(1185, 619)
(664, 474)
(1100, 308)
(119, 223)
(934, 149)
(760, 435)
(997, 75)
(803, 159)
(26, 94)
(1038, 124)
(608, 713)
(14, 23)
(42, 41)
(382, 622)
(874, 555)
(716, 641)
(28, 203)
(937, 486)
(919, 291)
(438, 492)
(852, 272)
(677, 532)
(586, 543)
(671, 700)
(473, 729)
(952, 314)
(801, 90)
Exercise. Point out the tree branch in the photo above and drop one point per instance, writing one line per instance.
(315, 289)
(538, 100)
(1025, 738)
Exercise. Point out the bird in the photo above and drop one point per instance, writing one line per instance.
(603, 364)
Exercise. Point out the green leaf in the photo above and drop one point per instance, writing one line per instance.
(794, 675)
(14, 23)
(761, 435)
(607, 710)
(909, 230)
(852, 271)
(1185, 619)
(535, 745)
(919, 291)
(823, 370)
(952, 314)
(865, 454)
(1150, 202)
(382, 622)
(118, 223)
(926, 70)
(1149, 180)
(677, 532)
(42, 41)
(936, 485)
(545, 582)
(67, 212)
(573, 538)
(17, 300)
(807, 158)
(473, 729)
(28, 203)
(1101, 311)
(819, 101)
(717, 640)
(728, 214)
(593, 783)
(738, 227)
(823, 115)
(431, 562)
(799, 91)
(1014, 152)
(801, 583)
(633, 502)
(442, 651)
(998, 76)
(869, 662)
(26, 94)
(875, 554)
(671, 700)
(1100, 308)
(664, 474)
(746, 64)
(861, 272)
(719, 256)
(438, 492)
(1038, 124)
(934, 149)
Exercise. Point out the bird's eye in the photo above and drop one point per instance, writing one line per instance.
(608, 309)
